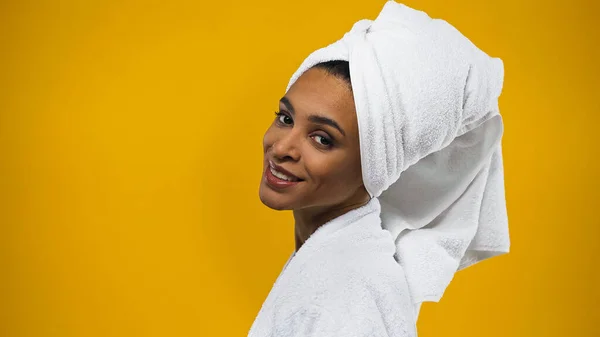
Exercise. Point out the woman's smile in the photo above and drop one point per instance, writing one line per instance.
(282, 173)
(278, 180)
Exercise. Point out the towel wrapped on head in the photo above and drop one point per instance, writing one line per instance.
(430, 140)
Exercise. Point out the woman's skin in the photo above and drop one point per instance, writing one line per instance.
(327, 160)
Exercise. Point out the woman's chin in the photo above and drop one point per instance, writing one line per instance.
(272, 200)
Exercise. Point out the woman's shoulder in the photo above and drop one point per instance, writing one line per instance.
(345, 273)
(369, 258)
(372, 293)
(367, 297)
(352, 287)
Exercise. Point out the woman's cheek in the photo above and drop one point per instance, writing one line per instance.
(268, 138)
(325, 165)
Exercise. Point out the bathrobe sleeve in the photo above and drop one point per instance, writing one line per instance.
(355, 316)
(309, 320)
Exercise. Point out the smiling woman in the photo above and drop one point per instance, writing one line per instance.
(308, 143)
(312, 166)
(409, 112)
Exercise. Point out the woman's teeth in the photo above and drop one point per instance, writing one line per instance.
(281, 175)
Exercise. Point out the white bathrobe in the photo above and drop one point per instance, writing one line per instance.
(343, 281)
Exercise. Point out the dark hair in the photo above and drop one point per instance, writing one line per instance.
(338, 68)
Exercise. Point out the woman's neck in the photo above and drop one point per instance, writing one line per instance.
(308, 220)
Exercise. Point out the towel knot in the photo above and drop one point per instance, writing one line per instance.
(358, 33)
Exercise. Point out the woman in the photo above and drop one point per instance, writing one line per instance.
(312, 158)
(312, 166)
(386, 147)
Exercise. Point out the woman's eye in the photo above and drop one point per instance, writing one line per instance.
(323, 140)
(282, 117)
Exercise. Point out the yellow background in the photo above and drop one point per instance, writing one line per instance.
(131, 153)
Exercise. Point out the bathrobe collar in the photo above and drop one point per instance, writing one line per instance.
(368, 214)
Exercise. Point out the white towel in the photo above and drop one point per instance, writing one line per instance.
(430, 140)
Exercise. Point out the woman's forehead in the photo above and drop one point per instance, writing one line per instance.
(316, 91)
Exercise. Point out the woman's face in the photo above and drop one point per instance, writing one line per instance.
(304, 141)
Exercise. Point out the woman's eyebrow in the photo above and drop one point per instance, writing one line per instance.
(313, 118)
(324, 120)
(287, 104)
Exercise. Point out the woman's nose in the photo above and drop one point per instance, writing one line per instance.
(286, 147)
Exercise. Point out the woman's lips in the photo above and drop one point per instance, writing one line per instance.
(283, 171)
(275, 182)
